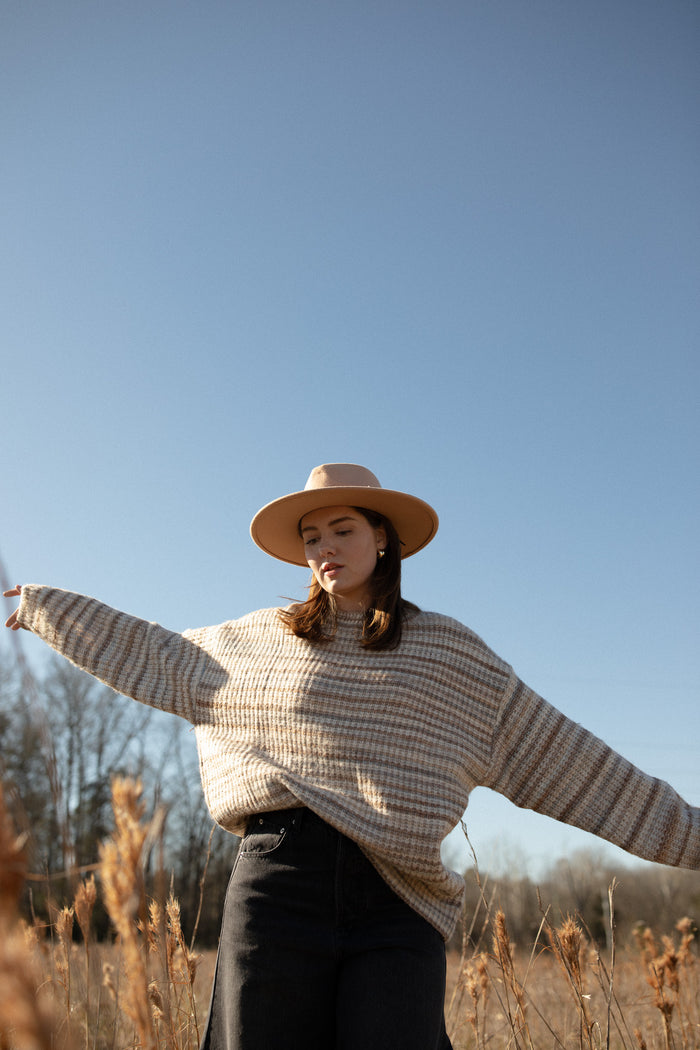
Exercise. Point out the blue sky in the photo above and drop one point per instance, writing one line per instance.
(458, 242)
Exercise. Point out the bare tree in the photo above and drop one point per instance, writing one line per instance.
(62, 740)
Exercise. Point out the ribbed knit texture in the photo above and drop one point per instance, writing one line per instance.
(385, 746)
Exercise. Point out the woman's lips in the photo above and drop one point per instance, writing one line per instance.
(330, 569)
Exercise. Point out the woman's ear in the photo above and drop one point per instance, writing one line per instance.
(380, 534)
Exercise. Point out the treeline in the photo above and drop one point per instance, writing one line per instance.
(643, 896)
(64, 737)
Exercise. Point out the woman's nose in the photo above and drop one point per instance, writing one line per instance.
(326, 546)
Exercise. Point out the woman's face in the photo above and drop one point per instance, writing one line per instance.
(341, 548)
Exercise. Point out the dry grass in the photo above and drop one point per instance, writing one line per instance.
(147, 988)
(141, 990)
(565, 993)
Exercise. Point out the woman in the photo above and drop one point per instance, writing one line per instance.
(341, 738)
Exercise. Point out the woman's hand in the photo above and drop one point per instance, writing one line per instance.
(11, 622)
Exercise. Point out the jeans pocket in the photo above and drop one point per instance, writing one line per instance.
(264, 836)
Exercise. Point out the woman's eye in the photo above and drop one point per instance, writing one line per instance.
(310, 542)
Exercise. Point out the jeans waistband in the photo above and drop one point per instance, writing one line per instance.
(299, 814)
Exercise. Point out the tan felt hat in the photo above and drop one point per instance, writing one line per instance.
(275, 528)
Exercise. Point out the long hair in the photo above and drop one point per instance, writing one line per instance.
(316, 619)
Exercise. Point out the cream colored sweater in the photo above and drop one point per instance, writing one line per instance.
(385, 746)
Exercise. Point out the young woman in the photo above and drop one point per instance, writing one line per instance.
(341, 738)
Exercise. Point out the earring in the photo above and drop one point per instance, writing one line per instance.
(380, 554)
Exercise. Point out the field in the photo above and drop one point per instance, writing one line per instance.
(565, 993)
(147, 987)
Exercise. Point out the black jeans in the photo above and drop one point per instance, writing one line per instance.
(318, 953)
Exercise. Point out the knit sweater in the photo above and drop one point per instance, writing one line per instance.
(385, 746)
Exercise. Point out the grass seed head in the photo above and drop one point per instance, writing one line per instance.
(156, 1000)
(502, 946)
(84, 905)
(571, 941)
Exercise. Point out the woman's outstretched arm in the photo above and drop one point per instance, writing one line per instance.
(544, 761)
(137, 658)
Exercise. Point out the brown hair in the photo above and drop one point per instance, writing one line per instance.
(316, 620)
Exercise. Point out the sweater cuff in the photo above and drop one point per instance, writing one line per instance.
(30, 604)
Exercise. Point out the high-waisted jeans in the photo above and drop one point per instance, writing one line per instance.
(318, 953)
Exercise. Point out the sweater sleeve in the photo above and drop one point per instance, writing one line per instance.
(543, 761)
(139, 659)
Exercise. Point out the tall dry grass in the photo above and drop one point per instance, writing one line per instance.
(146, 987)
(61, 989)
(565, 992)
(28, 1017)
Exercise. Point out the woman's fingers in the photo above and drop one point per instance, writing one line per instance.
(11, 621)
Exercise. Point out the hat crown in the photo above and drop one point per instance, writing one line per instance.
(341, 475)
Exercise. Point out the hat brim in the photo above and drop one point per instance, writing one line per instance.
(275, 528)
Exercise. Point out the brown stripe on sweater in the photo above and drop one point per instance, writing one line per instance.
(603, 815)
(521, 780)
(675, 857)
(64, 610)
(483, 671)
(646, 810)
(137, 651)
(102, 638)
(594, 773)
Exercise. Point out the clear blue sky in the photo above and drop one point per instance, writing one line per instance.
(458, 242)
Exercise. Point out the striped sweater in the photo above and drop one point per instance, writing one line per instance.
(385, 746)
